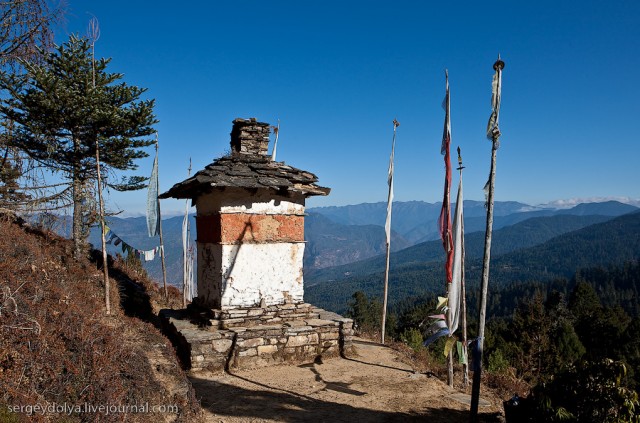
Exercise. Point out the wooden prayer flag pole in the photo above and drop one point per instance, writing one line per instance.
(164, 268)
(465, 364)
(387, 228)
(493, 132)
(94, 34)
(185, 255)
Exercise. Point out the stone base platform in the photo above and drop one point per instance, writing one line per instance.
(241, 338)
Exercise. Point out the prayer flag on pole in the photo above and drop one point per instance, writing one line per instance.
(455, 288)
(153, 209)
(444, 222)
(387, 229)
(494, 130)
(496, 88)
(387, 225)
(276, 130)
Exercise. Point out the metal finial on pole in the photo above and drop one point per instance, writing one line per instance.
(494, 132)
(387, 228)
(460, 167)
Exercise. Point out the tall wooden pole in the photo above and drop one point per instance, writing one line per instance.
(105, 267)
(463, 294)
(164, 269)
(450, 368)
(185, 255)
(94, 34)
(495, 133)
(386, 293)
(388, 232)
(465, 351)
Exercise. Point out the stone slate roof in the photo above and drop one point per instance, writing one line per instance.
(247, 171)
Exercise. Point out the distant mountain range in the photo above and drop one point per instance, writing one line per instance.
(525, 252)
(530, 232)
(417, 221)
(332, 244)
(349, 241)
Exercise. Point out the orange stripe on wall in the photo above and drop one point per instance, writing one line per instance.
(233, 228)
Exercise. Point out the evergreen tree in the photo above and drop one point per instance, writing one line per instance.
(365, 313)
(59, 116)
(532, 326)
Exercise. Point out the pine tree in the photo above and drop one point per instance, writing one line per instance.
(59, 116)
(365, 312)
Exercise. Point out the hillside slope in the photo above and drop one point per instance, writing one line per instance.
(333, 244)
(57, 346)
(521, 235)
(612, 242)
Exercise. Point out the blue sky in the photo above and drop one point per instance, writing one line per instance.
(336, 74)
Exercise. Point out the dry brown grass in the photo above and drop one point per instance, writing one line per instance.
(58, 346)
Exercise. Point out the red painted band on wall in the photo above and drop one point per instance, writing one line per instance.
(234, 228)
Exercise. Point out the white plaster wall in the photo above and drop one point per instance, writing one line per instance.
(240, 201)
(253, 272)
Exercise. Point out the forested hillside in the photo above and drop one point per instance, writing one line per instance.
(531, 232)
(332, 244)
(611, 242)
(575, 341)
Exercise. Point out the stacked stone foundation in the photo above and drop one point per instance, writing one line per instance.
(243, 338)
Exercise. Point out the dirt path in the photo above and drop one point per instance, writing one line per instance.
(373, 387)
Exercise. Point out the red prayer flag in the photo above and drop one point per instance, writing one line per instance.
(444, 222)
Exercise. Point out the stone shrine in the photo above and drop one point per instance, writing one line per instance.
(249, 309)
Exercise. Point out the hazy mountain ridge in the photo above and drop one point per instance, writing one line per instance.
(524, 234)
(611, 242)
(416, 221)
(331, 243)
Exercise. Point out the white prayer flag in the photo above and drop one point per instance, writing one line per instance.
(387, 225)
(455, 287)
(153, 209)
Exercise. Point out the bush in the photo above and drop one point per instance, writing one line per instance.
(413, 338)
(498, 363)
(589, 392)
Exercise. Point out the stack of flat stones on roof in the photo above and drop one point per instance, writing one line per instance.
(250, 310)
